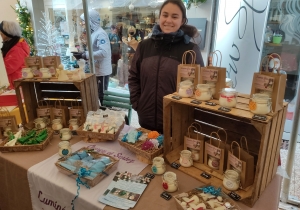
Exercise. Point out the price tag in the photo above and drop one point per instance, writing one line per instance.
(105, 115)
(74, 133)
(210, 104)
(205, 175)
(175, 165)
(166, 196)
(177, 97)
(259, 117)
(224, 109)
(196, 101)
(149, 175)
(234, 196)
(45, 79)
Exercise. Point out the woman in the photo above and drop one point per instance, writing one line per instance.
(14, 50)
(153, 73)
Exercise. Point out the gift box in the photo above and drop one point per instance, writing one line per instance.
(8, 98)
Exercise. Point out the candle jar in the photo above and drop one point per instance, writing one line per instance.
(45, 73)
(228, 97)
(231, 180)
(26, 73)
(170, 183)
(228, 83)
(212, 86)
(195, 154)
(260, 104)
(186, 158)
(73, 124)
(64, 148)
(56, 124)
(203, 92)
(186, 89)
(6, 132)
(65, 134)
(39, 123)
(213, 162)
(158, 166)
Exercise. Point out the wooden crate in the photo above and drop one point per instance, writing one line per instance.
(264, 138)
(34, 90)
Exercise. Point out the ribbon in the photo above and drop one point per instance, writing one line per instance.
(211, 190)
(229, 98)
(82, 172)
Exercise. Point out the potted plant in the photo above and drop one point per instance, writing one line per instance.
(277, 38)
(188, 3)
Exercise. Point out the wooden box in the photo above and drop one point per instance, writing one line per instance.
(91, 182)
(36, 89)
(264, 138)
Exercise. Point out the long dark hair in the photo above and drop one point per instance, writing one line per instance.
(187, 29)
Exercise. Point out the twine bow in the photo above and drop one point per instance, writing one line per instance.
(229, 98)
(211, 190)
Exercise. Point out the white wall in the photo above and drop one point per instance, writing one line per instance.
(6, 13)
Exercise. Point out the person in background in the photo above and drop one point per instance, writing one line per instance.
(153, 72)
(14, 50)
(115, 48)
(101, 53)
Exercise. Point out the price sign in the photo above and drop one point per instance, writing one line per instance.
(175, 165)
(205, 175)
(210, 104)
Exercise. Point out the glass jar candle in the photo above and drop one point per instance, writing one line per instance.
(65, 134)
(195, 154)
(212, 86)
(56, 124)
(64, 148)
(203, 92)
(231, 180)
(228, 83)
(186, 158)
(73, 124)
(39, 123)
(260, 104)
(186, 89)
(26, 73)
(45, 73)
(158, 166)
(170, 183)
(228, 97)
(213, 162)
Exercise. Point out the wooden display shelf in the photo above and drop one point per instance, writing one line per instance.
(34, 90)
(264, 138)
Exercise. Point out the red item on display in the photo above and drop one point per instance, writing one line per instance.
(8, 99)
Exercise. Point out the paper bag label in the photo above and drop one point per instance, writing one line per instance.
(235, 162)
(210, 75)
(43, 112)
(213, 151)
(33, 61)
(5, 122)
(49, 61)
(57, 112)
(263, 82)
(192, 143)
(75, 112)
(187, 72)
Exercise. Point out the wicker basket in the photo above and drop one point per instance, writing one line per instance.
(93, 137)
(26, 148)
(147, 155)
(99, 177)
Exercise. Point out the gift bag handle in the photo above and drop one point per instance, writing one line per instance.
(211, 58)
(75, 101)
(222, 129)
(59, 103)
(198, 124)
(62, 99)
(220, 56)
(234, 142)
(269, 57)
(47, 105)
(245, 139)
(211, 134)
(193, 55)
(189, 131)
(272, 56)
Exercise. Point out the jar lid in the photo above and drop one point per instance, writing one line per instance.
(261, 96)
(203, 86)
(228, 80)
(186, 82)
(229, 90)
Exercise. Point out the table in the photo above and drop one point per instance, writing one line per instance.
(15, 194)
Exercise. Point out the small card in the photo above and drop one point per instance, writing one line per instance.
(205, 175)
(177, 97)
(74, 133)
(234, 196)
(210, 104)
(259, 117)
(149, 175)
(166, 196)
(224, 109)
(105, 115)
(175, 165)
(196, 101)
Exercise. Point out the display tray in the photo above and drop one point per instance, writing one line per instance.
(210, 201)
(145, 156)
(93, 137)
(26, 148)
(91, 182)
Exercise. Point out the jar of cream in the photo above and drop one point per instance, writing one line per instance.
(186, 158)
(231, 180)
(260, 104)
(64, 148)
(212, 86)
(213, 162)
(170, 183)
(186, 89)
(203, 92)
(228, 97)
(158, 166)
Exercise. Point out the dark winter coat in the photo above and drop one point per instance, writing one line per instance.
(153, 74)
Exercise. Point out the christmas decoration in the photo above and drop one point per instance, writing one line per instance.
(188, 3)
(25, 24)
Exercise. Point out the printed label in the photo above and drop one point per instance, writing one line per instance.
(213, 151)
(57, 112)
(235, 162)
(166, 196)
(5, 122)
(196, 101)
(175, 165)
(234, 196)
(192, 143)
(205, 175)
(210, 104)
(210, 75)
(259, 117)
(187, 72)
(75, 112)
(177, 97)
(43, 112)
(224, 109)
(263, 82)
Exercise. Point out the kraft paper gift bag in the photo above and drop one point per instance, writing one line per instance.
(214, 74)
(242, 162)
(187, 71)
(60, 111)
(51, 62)
(35, 63)
(44, 110)
(7, 121)
(76, 112)
(194, 142)
(214, 153)
(224, 145)
(270, 83)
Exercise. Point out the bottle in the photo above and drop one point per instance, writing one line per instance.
(268, 35)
